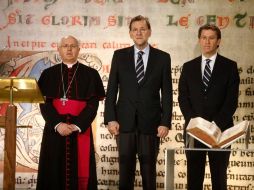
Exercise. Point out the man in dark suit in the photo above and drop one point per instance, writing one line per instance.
(138, 106)
(208, 89)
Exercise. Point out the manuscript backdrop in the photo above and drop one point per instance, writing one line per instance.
(30, 30)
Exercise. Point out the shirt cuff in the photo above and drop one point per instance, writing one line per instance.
(57, 126)
(79, 130)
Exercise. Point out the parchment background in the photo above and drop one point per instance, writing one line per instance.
(30, 30)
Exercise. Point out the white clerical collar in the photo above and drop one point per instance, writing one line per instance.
(70, 65)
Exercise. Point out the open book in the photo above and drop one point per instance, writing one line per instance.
(210, 134)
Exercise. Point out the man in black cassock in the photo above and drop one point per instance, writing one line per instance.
(72, 92)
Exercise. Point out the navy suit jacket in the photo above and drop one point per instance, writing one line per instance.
(219, 102)
(144, 106)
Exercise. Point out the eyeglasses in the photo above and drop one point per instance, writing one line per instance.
(72, 46)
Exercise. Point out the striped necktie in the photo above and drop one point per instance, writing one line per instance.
(140, 67)
(207, 74)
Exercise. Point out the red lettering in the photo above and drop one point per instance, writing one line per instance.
(76, 20)
(111, 21)
(45, 20)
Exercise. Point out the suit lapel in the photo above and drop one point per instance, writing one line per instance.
(216, 70)
(131, 60)
(197, 73)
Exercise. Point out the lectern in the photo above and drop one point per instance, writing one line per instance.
(14, 90)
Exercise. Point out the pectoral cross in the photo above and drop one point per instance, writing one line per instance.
(64, 100)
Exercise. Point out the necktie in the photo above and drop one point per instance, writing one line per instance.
(207, 74)
(140, 67)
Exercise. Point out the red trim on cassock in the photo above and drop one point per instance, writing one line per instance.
(74, 107)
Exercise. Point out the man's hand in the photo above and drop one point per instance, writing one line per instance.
(75, 128)
(64, 129)
(113, 127)
(162, 131)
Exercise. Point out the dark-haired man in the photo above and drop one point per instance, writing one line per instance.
(138, 104)
(208, 88)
